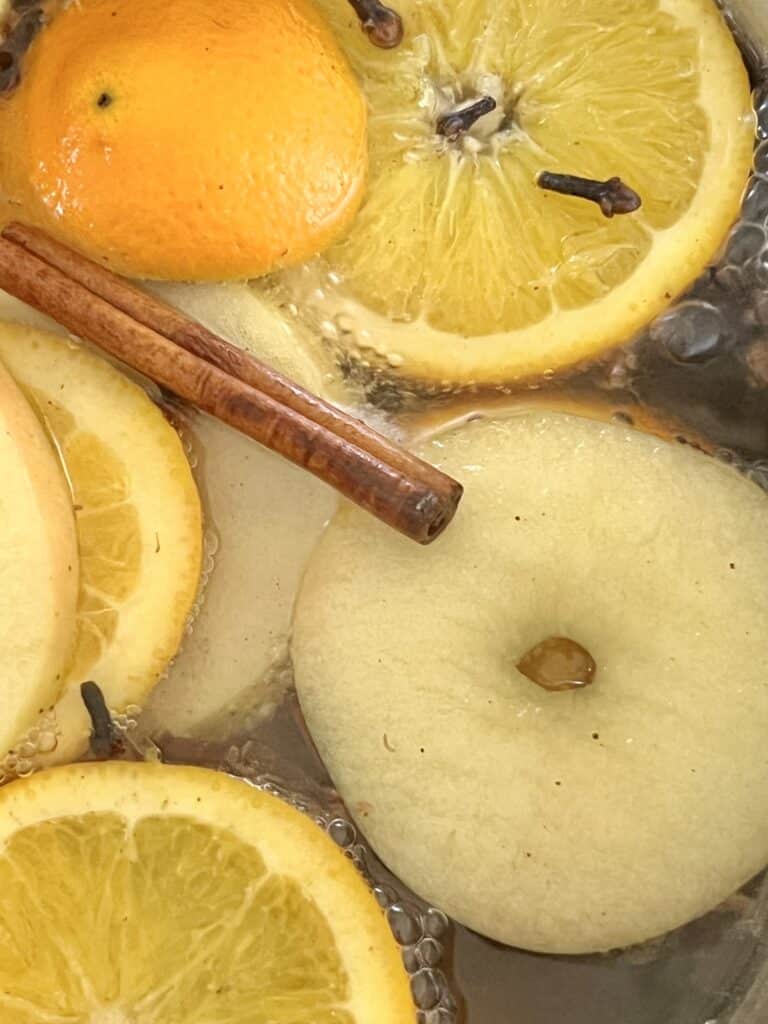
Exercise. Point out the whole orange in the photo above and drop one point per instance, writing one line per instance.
(187, 139)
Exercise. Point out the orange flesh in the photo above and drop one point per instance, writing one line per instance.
(185, 140)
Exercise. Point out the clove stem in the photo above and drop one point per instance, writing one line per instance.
(104, 734)
(456, 122)
(382, 25)
(612, 196)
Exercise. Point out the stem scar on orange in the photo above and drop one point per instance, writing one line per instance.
(186, 140)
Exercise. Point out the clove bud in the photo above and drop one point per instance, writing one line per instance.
(382, 25)
(106, 740)
(456, 122)
(612, 196)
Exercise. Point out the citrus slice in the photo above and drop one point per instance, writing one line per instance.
(38, 567)
(233, 145)
(143, 893)
(137, 511)
(459, 267)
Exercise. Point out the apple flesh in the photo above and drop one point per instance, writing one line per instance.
(38, 567)
(267, 515)
(564, 822)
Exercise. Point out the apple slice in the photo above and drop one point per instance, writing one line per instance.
(138, 519)
(38, 567)
(573, 821)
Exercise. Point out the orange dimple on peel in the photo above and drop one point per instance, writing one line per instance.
(186, 140)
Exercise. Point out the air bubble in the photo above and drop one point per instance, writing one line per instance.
(760, 160)
(404, 924)
(24, 767)
(210, 549)
(728, 277)
(746, 241)
(435, 923)
(385, 896)
(342, 832)
(425, 989)
(760, 103)
(411, 961)
(47, 742)
(430, 952)
(755, 206)
(208, 564)
(693, 332)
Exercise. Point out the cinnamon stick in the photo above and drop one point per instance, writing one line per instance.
(418, 500)
(196, 338)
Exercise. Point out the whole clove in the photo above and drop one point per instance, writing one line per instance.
(612, 196)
